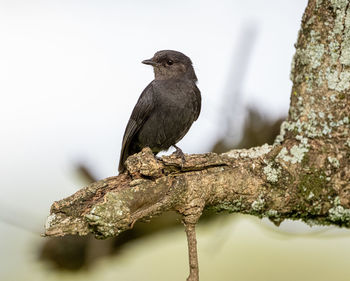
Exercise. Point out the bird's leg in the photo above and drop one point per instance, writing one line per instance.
(179, 153)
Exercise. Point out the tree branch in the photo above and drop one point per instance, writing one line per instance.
(265, 181)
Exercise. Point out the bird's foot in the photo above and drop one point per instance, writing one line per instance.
(179, 153)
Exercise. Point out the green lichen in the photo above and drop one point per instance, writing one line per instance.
(312, 184)
(231, 207)
(341, 96)
(110, 217)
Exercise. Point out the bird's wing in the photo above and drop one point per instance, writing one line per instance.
(198, 101)
(139, 115)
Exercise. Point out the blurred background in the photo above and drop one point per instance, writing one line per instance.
(70, 74)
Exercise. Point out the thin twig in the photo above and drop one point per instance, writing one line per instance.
(192, 251)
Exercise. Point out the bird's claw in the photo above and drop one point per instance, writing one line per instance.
(180, 154)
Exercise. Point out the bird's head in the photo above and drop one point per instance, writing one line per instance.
(168, 64)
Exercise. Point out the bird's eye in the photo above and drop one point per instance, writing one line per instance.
(169, 62)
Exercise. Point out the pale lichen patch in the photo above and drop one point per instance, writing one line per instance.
(326, 130)
(338, 23)
(332, 78)
(333, 161)
(254, 152)
(339, 82)
(296, 153)
(258, 204)
(345, 55)
(334, 51)
(272, 213)
(311, 58)
(339, 214)
(313, 53)
(311, 195)
(344, 81)
(109, 217)
(272, 173)
(339, 123)
(51, 218)
(339, 4)
(347, 142)
(339, 47)
(318, 3)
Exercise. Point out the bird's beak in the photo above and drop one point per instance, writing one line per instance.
(149, 62)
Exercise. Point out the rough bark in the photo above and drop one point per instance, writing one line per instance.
(305, 175)
(192, 251)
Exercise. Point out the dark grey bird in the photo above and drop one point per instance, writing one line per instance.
(166, 108)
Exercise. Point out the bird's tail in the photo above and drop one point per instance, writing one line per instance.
(126, 151)
(123, 156)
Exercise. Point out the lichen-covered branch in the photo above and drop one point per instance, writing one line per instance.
(304, 175)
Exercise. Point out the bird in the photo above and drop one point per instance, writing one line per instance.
(166, 108)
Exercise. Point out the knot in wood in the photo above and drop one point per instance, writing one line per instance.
(192, 211)
(144, 163)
